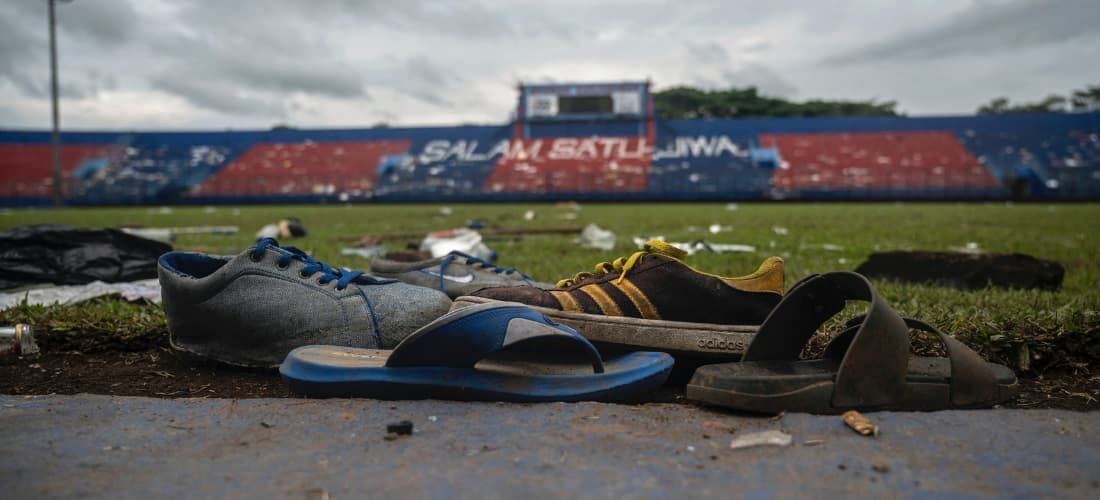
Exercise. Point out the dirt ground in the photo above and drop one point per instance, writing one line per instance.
(158, 371)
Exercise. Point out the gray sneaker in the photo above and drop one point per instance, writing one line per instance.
(455, 274)
(253, 309)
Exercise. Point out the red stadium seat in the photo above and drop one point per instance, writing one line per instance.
(610, 165)
(876, 160)
(302, 168)
(26, 170)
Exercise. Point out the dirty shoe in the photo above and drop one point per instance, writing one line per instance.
(454, 274)
(253, 309)
(653, 301)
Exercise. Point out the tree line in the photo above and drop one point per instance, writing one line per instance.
(683, 102)
(1086, 99)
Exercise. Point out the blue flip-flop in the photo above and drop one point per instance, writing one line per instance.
(489, 352)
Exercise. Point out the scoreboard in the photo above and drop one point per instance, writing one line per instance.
(584, 101)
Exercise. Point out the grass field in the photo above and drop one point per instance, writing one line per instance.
(1033, 331)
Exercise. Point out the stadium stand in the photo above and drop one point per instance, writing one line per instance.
(1050, 156)
(1055, 163)
(302, 168)
(26, 169)
(147, 169)
(572, 165)
(879, 164)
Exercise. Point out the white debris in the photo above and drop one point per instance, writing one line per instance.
(529, 215)
(699, 246)
(780, 230)
(445, 211)
(594, 236)
(268, 231)
(831, 247)
(364, 252)
(168, 234)
(765, 438)
(971, 247)
(731, 206)
(73, 294)
(467, 241)
(432, 418)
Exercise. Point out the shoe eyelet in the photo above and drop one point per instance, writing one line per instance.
(282, 266)
(254, 258)
(303, 275)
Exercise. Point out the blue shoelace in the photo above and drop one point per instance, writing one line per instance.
(343, 277)
(470, 259)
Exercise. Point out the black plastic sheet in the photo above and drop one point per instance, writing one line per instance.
(65, 255)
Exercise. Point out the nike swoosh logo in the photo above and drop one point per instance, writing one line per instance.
(457, 279)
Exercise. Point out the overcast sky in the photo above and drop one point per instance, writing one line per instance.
(189, 64)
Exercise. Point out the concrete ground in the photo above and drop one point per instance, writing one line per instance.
(103, 446)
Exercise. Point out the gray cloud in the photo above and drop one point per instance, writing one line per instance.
(217, 97)
(321, 62)
(986, 27)
(741, 74)
(106, 23)
(708, 53)
(768, 81)
(22, 42)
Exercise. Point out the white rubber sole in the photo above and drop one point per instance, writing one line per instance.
(675, 337)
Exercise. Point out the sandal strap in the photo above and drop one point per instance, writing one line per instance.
(462, 342)
(874, 365)
(972, 380)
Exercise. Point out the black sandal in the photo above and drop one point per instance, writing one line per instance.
(867, 366)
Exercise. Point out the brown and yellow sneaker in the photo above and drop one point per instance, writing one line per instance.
(652, 300)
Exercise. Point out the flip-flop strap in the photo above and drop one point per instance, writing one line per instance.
(463, 342)
(873, 368)
(972, 380)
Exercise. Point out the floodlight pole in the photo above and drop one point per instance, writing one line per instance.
(56, 140)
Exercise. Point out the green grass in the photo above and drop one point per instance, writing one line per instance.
(1030, 330)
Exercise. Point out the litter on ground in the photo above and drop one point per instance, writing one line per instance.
(699, 246)
(364, 252)
(859, 423)
(169, 234)
(48, 294)
(764, 438)
(467, 241)
(593, 236)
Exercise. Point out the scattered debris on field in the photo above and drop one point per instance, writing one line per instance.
(467, 241)
(859, 423)
(698, 246)
(286, 229)
(364, 252)
(593, 236)
(764, 438)
(18, 339)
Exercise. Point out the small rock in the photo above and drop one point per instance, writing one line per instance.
(881, 468)
(402, 428)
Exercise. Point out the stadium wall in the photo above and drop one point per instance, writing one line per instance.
(1037, 156)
